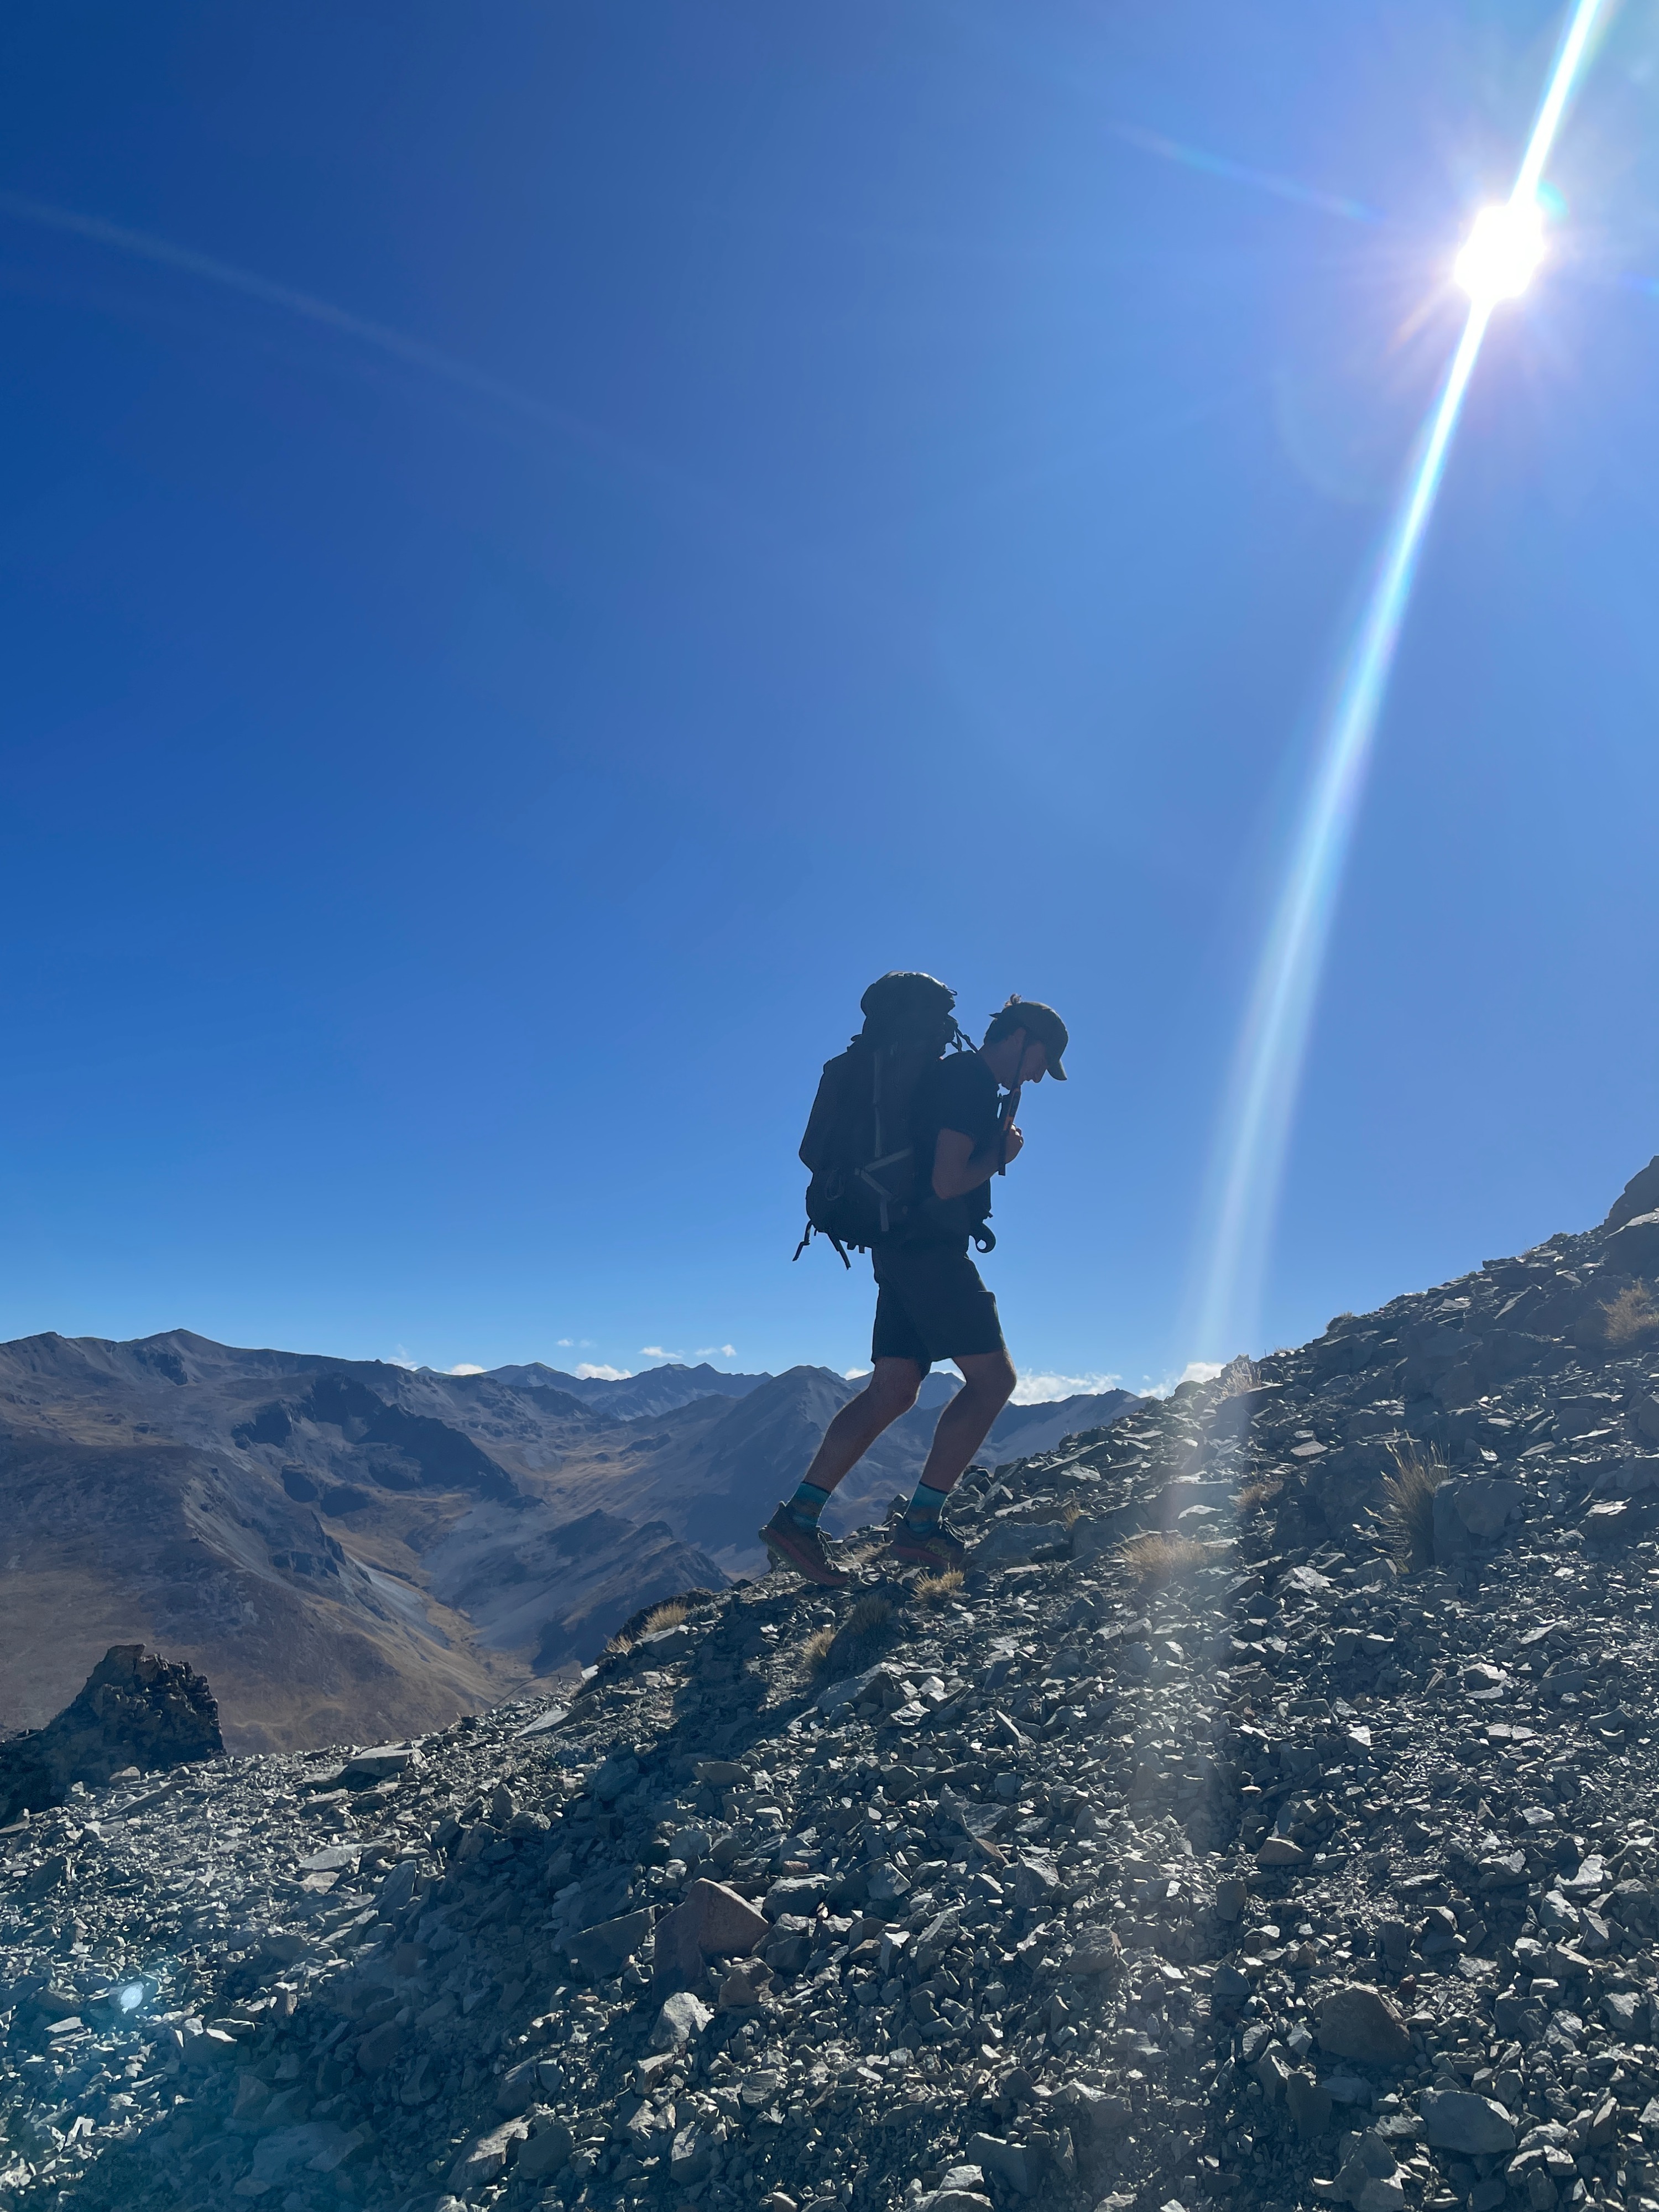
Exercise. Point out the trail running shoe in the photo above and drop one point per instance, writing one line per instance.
(933, 1547)
(792, 1545)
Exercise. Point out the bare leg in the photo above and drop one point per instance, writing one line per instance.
(987, 1383)
(891, 1391)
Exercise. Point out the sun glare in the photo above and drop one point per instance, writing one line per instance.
(1501, 256)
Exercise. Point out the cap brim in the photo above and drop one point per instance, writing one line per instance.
(1056, 1071)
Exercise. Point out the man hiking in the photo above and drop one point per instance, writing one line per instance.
(931, 1303)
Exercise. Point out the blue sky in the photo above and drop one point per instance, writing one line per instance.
(543, 547)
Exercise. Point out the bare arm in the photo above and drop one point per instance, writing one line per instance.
(958, 1169)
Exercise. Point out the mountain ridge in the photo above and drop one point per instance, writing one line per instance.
(357, 1546)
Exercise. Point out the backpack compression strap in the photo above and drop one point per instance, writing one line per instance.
(840, 1247)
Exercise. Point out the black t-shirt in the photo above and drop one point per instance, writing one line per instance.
(959, 1092)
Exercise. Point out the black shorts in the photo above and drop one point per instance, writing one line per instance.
(932, 1305)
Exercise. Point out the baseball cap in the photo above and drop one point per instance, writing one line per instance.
(1042, 1024)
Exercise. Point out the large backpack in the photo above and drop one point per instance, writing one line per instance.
(858, 1144)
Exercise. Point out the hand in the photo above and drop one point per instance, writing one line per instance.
(1013, 1143)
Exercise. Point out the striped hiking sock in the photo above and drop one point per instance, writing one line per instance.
(922, 1513)
(808, 1502)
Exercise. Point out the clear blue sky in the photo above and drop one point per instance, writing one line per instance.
(545, 545)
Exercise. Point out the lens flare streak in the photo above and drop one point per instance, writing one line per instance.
(1273, 1040)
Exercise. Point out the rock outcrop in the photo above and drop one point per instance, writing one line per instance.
(136, 1710)
(1257, 1836)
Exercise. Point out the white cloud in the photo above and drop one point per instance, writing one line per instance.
(853, 1374)
(403, 1356)
(1196, 1370)
(716, 1352)
(565, 1343)
(465, 1368)
(1040, 1389)
(588, 1372)
(656, 1351)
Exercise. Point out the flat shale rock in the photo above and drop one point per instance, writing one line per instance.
(1456, 2119)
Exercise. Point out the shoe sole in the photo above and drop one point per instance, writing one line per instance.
(834, 1579)
(915, 1556)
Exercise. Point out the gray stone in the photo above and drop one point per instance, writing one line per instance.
(1458, 2120)
(682, 2020)
(1017, 1543)
(1633, 1248)
(603, 1950)
(487, 2157)
(547, 2152)
(379, 1764)
(1009, 2161)
(1470, 1513)
(1360, 2023)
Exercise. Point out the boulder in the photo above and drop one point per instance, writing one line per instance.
(1360, 2023)
(682, 2020)
(692, 2156)
(487, 2157)
(547, 2153)
(603, 1950)
(795, 1893)
(1470, 1514)
(1633, 1249)
(1308, 2104)
(1010, 2162)
(1458, 2120)
(1640, 1195)
(136, 1709)
(1280, 1851)
(380, 1763)
(710, 1922)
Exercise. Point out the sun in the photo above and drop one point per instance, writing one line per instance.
(1501, 255)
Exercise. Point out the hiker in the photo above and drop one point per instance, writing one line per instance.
(930, 1304)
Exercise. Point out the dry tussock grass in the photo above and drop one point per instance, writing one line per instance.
(1406, 1519)
(665, 1616)
(1238, 1375)
(1254, 1495)
(933, 1589)
(843, 1650)
(1154, 1557)
(1631, 1315)
(869, 1616)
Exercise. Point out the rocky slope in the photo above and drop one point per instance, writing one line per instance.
(352, 1547)
(1201, 1848)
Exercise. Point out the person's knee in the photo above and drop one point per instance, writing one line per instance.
(990, 1377)
(894, 1387)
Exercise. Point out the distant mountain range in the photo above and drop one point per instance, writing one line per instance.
(349, 1549)
(658, 1390)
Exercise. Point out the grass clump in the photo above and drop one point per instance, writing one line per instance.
(933, 1589)
(1255, 1495)
(1154, 1557)
(1237, 1377)
(1406, 1519)
(1631, 1315)
(868, 1618)
(855, 1644)
(665, 1616)
(815, 1652)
